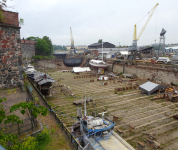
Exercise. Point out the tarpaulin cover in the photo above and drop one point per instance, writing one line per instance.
(150, 87)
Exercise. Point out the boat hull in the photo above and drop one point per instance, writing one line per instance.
(72, 62)
(98, 65)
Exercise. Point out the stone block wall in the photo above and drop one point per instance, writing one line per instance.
(28, 48)
(159, 75)
(10, 54)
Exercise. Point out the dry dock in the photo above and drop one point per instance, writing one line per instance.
(148, 117)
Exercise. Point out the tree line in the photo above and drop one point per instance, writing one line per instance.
(59, 47)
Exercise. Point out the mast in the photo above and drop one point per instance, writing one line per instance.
(84, 99)
(102, 47)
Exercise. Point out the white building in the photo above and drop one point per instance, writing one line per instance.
(171, 50)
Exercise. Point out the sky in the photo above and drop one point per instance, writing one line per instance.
(91, 20)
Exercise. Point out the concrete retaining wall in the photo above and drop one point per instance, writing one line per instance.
(159, 75)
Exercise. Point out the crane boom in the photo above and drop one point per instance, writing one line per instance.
(146, 23)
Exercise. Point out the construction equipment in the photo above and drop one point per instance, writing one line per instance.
(162, 42)
(133, 47)
(72, 42)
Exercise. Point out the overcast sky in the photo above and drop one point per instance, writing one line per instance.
(89, 19)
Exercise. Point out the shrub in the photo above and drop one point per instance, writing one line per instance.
(43, 137)
(39, 57)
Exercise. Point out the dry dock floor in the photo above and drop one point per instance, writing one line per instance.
(130, 106)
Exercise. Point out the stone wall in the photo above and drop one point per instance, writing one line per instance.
(158, 74)
(10, 53)
(55, 64)
(28, 48)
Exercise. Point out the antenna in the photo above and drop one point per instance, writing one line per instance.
(102, 114)
(102, 47)
(84, 98)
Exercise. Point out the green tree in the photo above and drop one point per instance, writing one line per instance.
(12, 118)
(59, 47)
(43, 47)
(21, 22)
(50, 45)
(100, 41)
(32, 38)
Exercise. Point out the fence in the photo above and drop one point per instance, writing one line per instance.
(73, 141)
(20, 128)
(28, 123)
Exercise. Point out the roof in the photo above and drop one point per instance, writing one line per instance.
(149, 86)
(112, 49)
(81, 69)
(171, 48)
(45, 81)
(124, 52)
(96, 44)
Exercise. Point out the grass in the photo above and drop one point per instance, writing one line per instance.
(53, 140)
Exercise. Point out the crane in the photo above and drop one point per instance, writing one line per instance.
(72, 41)
(135, 38)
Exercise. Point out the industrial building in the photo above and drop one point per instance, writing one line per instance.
(171, 50)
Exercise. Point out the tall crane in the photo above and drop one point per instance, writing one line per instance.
(135, 38)
(72, 41)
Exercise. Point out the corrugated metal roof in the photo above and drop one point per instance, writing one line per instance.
(171, 48)
(96, 44)
(148, 86)
(45, 81)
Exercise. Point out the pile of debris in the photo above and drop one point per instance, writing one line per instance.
(151, 141)
(81, 101)
(66, 90)
(171, 93)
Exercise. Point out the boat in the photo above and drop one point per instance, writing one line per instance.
(96, 133)
(72, 62)
(98, 63)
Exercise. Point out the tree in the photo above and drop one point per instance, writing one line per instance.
(11, 118)
(43, 47)
(32, 38)
(100, 41)
(21, 22)
(3, 4)
(59, 47)
(50, 45)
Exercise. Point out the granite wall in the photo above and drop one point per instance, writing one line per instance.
(28, 48)
(159, 74)
(10, 52)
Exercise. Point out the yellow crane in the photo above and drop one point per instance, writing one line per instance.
(135, 38)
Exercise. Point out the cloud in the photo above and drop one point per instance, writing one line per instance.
(90, 19)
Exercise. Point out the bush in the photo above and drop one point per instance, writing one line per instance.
(43, 137)
(39, 57)
(28, 144)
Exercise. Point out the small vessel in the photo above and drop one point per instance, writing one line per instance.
(98, 63)
(96, 133)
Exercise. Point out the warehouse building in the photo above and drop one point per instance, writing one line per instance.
(171, 50)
